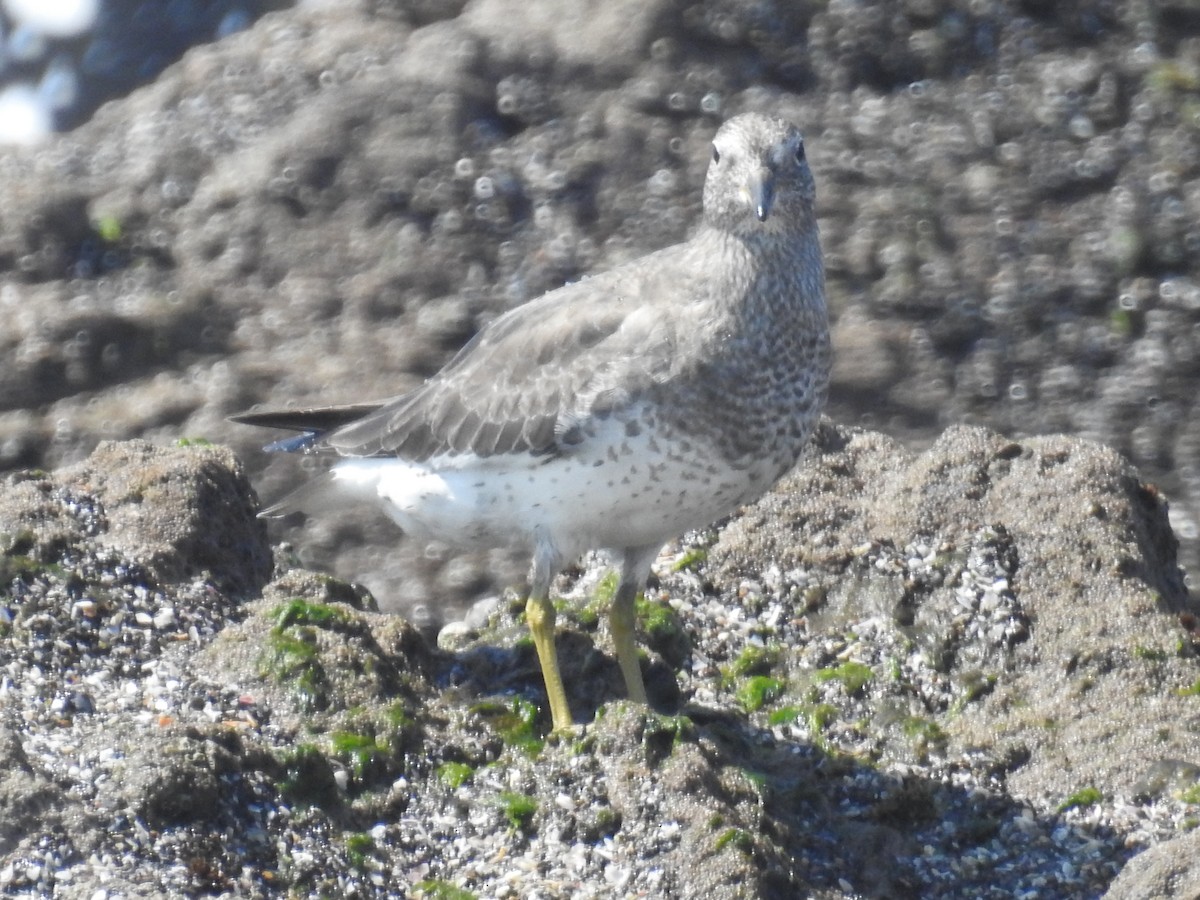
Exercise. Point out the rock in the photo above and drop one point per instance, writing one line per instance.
(608, 40)
(106, 568)
(1168, 871)
(1006, 244)
(30, 803)
(892, 664)
(1095, 613)
(910, 675)
(310, 652)
(181, 512)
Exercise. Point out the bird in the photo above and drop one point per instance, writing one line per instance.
(616, 412)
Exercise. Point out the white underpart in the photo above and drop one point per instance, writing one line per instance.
(637, 496)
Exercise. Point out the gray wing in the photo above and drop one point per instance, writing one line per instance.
(527, 380)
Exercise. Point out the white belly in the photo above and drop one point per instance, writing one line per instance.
(614, 492)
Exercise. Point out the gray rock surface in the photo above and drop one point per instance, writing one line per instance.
(181, 512)
(971, 671)
(1087, 560)
(1167, 871)
(109, 570)
(328, 204)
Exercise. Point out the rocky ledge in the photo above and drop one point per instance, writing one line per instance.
(971, 671)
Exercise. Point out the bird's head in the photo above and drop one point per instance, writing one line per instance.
(759, 180)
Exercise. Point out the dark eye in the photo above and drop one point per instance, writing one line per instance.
(716, 154)
(800, 154)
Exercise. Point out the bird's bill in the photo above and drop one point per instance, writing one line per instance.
(760, 193)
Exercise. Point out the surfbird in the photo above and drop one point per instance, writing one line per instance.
(616, 412)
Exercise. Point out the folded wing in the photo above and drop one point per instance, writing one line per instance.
(525, 382)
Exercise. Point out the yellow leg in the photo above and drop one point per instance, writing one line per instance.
(539, 613)
(621, 622)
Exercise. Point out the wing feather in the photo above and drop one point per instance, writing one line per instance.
(603, 340)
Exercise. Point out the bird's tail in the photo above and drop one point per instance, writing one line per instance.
(317, 494)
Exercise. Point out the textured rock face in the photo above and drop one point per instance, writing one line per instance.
(968, 671)
(1091, 611)
(324, 207)
(919, 675)
(1167, 871)
(182, 513)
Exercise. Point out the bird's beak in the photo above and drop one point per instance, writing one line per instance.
(760, 191)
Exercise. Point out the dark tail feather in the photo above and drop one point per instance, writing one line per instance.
(312, 423)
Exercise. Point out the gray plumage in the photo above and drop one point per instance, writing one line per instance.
(621, 410)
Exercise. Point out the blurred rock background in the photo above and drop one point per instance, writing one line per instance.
(60, 59)
(320, 204)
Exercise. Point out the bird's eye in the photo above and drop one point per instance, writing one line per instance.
(716, 154)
